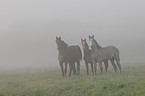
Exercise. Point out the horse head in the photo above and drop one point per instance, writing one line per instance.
(61, 45)
(84, 43)
(91, 41)
(58, 42)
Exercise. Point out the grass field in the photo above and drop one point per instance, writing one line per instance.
(49, 82)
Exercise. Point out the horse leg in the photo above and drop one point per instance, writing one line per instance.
(70, 66)
(119, 65)
(113, 64)
(73, 68)
(78, 67)
(95, 66)
(61, 65)
(87, 67)
(100, 65)
(92, 67)
(106, 65)
(65, 69)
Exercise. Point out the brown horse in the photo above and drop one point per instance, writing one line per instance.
(68, 54)
(87, 55)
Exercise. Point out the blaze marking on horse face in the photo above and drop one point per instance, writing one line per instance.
(83, 44)
(57, 44)
(91, 42)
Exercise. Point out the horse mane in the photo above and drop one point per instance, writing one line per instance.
(87, 45)
(97, 44)
(65, 44)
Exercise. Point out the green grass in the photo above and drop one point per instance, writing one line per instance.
(49, 82)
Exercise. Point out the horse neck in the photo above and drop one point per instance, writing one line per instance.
(63, 50)
(95, 48)
(98, 46)
(86, 48)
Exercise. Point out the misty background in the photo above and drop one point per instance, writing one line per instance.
(28, 29)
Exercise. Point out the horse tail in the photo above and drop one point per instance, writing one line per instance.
(118, 54)
(80, 53)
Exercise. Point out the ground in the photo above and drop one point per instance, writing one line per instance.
(49, 82)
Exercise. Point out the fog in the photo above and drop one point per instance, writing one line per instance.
(28, 29)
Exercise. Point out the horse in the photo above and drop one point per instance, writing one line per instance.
(106, 53)
(68, 54)
(87, 55)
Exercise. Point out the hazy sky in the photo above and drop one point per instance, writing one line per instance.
(28, 28)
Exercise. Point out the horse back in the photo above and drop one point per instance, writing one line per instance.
(73, 53)
(111, 51)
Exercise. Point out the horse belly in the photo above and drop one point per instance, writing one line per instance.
(109, 54)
